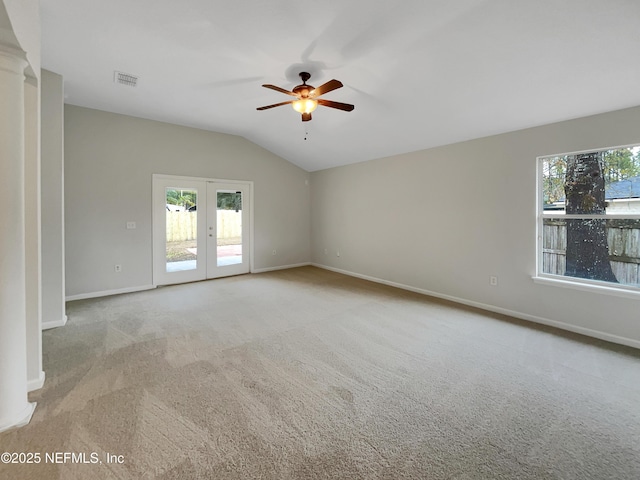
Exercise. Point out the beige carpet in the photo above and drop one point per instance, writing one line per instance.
(308, 374)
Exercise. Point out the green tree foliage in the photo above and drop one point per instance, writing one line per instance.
(620, 164)
(183, 198)
(229, 201)
(187, 199)
(553, 172)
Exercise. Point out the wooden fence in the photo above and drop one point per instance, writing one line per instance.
(183, 226)
(623, 238)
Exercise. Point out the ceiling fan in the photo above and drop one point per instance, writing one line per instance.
(307, 97)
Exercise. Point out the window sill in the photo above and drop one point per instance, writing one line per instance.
(564, 282)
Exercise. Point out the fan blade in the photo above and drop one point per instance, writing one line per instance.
(275, 105)
(278, 89)
(326, 87)
(340, 106)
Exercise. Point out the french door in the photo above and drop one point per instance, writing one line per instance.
(227, 232)
(200, 229)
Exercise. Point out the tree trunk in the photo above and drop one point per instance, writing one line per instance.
(587, 246)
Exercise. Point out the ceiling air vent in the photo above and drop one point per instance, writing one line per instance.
(125, 79)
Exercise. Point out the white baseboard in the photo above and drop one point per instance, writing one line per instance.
(491, 308)
(280, 267)
(106, 293)
(22, 419)
(36, 383)
(54, 324)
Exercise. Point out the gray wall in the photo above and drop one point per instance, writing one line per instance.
(109, 161)
(445, 219)
(52, 200)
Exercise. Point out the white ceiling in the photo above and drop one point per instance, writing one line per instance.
(421, 73)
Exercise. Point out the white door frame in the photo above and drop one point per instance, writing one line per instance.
(159, 183)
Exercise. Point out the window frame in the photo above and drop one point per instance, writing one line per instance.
(540, 277)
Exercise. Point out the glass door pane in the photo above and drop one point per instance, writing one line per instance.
(181, 229)
(229, 228)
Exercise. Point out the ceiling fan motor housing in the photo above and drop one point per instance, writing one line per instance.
(304, 89)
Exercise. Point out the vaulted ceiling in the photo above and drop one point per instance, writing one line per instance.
(421, 73)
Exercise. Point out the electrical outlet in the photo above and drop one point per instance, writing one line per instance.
(131, 225)
(117, 268)
(493, 281)
(337, 253)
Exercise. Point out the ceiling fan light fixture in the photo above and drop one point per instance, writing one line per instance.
(305, 105)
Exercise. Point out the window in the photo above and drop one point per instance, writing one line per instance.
(589, 218)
